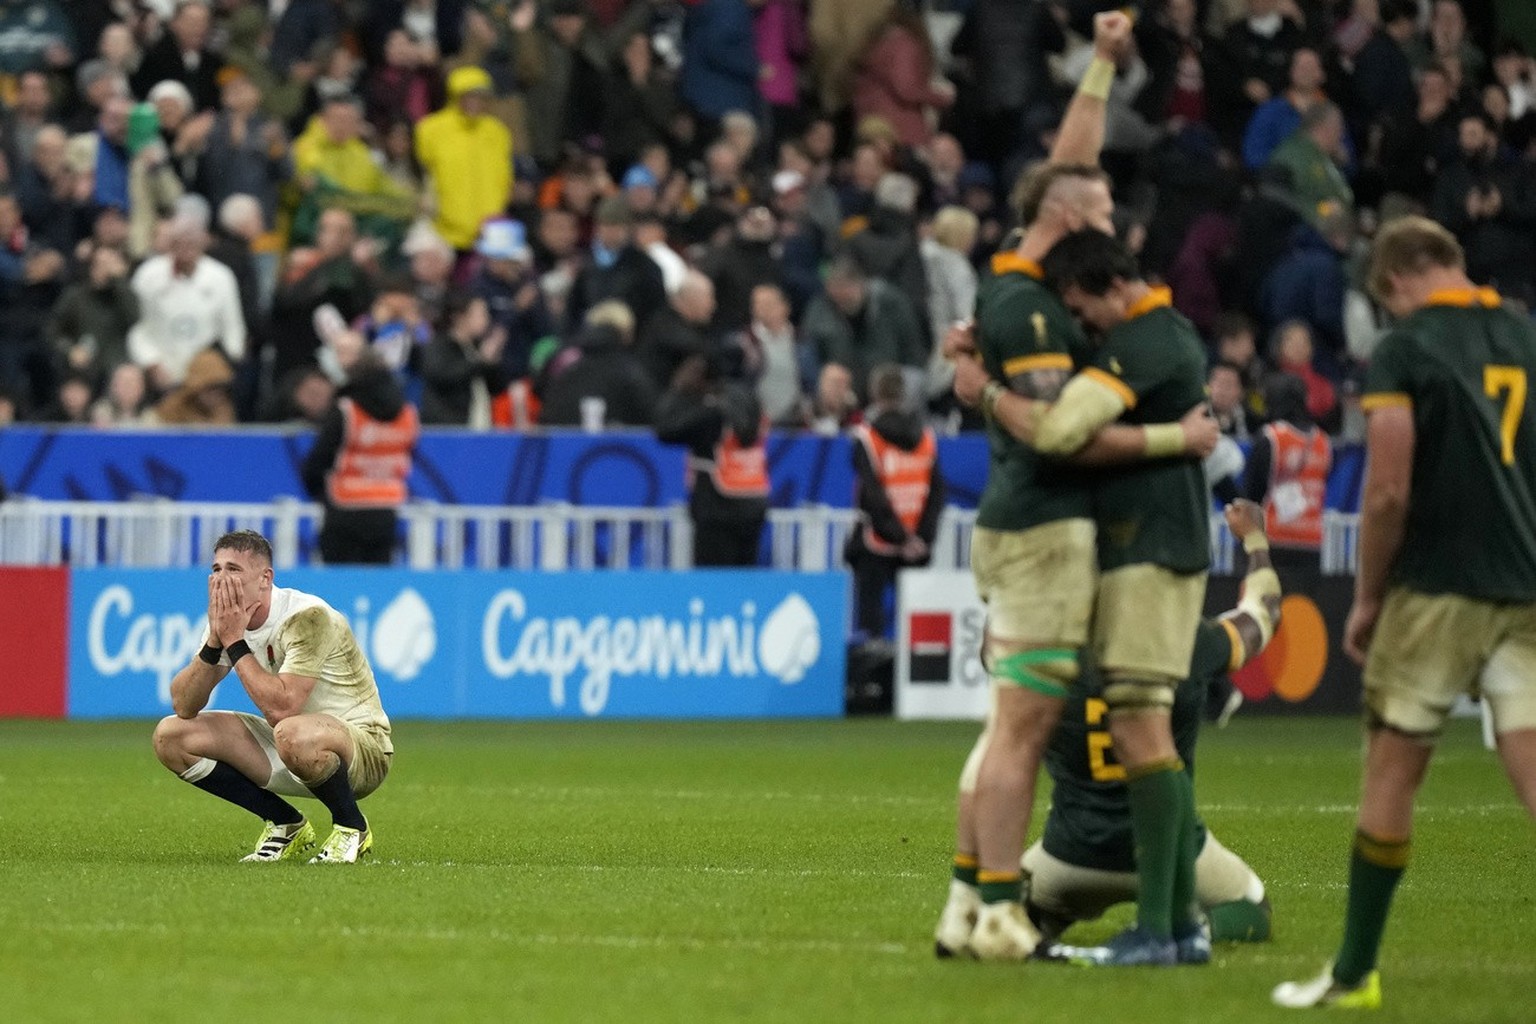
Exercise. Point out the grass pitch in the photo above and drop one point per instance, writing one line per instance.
(692, 872)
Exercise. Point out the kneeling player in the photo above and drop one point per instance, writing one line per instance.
(324, 733)
(1086, 863)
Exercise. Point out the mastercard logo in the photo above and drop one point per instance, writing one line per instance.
(1291, 667)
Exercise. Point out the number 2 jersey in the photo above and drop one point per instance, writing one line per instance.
(1089, 824)
(1464, 365)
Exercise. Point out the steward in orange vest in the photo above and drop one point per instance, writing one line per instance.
(900, 496)
(723, 426)
(1288, 468)
(359, 466)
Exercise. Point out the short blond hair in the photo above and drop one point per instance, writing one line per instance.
(1411, 245)
(955, 227)
(1037, 183)
(612, 313)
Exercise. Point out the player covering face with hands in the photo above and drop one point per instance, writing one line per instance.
(322, 732)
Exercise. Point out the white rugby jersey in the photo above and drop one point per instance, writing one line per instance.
(305, 636)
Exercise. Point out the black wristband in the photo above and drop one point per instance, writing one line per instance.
(236, 651)
(210, 654)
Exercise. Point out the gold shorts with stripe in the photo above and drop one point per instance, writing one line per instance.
(1038, 584)
(1083, 894)
(1144, 629)
(1429, 649)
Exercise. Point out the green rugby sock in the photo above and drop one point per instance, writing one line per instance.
(1157, 817)
(964, 868)
(1185, 910)
(1375, 865)
(1001, 886)
(1239, 921)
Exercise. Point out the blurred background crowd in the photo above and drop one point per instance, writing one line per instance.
(551, 212)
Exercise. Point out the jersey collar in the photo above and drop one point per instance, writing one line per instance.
(1013, 263)
(1464, 298)
(1156, 298)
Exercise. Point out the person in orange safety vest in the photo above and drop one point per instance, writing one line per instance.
(1288, 470)
(359, 464)
(900, 495)
(723, 426)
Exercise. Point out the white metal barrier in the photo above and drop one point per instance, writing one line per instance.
(145, 534)
(1341, 543)
(555, 536)
(164, 533)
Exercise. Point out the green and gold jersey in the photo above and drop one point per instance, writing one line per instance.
(1089, 824)
(1021, 327)
(1464, 365)
(1153, 512)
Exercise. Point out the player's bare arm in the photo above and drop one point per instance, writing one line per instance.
(1081, 135)
(277, 696)
(1080, 423)
(1390, 440)
(1254, 621)
(193, 685)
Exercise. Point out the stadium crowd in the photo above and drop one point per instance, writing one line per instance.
(542, 211)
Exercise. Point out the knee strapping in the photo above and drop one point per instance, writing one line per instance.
(1049, 671)
(1133, 695)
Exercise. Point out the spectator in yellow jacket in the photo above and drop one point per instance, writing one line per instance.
(334, 168)
(467, 154)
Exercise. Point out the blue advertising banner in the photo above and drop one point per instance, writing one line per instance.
(626, 469)
(704, 644)
(457, 467)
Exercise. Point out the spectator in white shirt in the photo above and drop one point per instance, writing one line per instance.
(771, 356)
(651, 238)
(951, 286)
(188, 301)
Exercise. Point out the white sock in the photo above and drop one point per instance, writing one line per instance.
(199, 770)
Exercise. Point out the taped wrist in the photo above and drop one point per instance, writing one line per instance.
(1257, 586)
(1255, 541)
(1098, 79)
(209, 655)
(989, 396)
(238, 650)
(1163, 440)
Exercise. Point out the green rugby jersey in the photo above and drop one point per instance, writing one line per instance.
(1153, 512)
(1089, 823)
(1022, 326)
(1464, 364)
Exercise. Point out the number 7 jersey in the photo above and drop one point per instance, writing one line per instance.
(1464, 365)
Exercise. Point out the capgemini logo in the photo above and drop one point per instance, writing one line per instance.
(404, 636)
(595, 651)
(789, 641)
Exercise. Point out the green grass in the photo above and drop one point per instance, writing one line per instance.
(692, 872)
